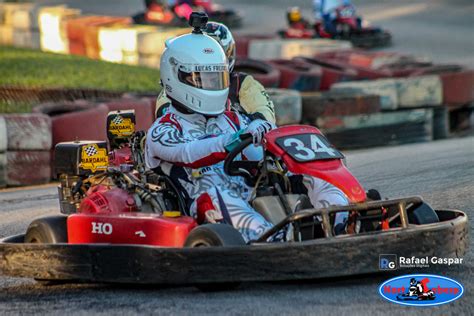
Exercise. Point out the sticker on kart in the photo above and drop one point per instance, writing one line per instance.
(94, 158)
(421, 290)
(308, 147)
(121, 126)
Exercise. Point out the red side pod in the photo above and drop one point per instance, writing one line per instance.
(130, 228)
(332, 171)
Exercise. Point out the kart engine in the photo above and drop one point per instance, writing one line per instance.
(75, 162)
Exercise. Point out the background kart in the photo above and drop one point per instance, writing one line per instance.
(348, 26)
(111, 238)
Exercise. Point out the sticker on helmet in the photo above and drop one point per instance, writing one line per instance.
(121, 127)
(208, 51)
(94, 158)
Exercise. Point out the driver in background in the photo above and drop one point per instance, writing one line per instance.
(191, 140)
(325, 12)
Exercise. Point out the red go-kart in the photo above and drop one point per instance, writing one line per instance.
(121, 224)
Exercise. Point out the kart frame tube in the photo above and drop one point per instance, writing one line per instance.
(324, 213)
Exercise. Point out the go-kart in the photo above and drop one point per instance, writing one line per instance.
(120, 224)
(348, 26)
(160, 13)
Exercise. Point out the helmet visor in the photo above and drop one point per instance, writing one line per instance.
(205, 80)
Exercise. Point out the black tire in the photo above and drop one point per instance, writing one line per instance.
(215, 235)
(422, 214)
(47, 230)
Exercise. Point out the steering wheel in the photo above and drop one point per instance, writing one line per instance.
(241, 168)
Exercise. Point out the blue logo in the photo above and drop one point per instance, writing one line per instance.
(388, 262)
(421, 290)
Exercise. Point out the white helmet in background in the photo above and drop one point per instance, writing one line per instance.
(195, 72)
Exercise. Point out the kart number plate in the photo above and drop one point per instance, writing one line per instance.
(308, 147)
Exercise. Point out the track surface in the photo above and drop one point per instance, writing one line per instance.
(442, 172)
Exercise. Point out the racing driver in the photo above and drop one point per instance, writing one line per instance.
(190, 141)
(246, 94)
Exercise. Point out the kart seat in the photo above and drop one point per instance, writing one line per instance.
(271, 208)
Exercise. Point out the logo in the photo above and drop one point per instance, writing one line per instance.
(208, 51)
(94, 158)
(102, 228)
(388, 262)
(121, 127)
(421, 290)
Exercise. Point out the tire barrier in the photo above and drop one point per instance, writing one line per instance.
(3, 134)
(50, 22)
(89, 124)
(144, 111)
(287, 49)
(53, 109)
(440, 122)
(26, 39)
(331, 73)
(265, 73)
(354, 72)
(419, 91)
(323, 104)
(458, 87)
(3, 170)
(379, 129)
(19, 168)
(28, 132)
(38, 95)
(385, 88)
(242, 43)
(288, 105)
(298, 75)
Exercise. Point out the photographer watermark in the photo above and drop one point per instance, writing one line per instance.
(393, 262)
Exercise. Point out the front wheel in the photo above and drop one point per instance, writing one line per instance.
(215, 235)
(422, 214)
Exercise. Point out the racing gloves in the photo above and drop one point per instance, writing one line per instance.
(258, 128)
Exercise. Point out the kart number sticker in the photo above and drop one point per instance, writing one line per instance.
(308, 147)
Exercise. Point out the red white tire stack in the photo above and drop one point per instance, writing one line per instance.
(25, 143)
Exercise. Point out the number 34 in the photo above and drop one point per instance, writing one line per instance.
(305, 153)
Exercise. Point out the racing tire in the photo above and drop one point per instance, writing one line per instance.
(215, 235)
(47, 230)
(331, 73)
(422, 214)
(298, 75)
(265, 73)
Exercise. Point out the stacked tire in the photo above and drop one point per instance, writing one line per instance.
(25, 143)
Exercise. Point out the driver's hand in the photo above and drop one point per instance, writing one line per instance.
(258, 128)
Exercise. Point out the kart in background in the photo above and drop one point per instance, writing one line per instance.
(178, 15)
(121, 224)
(348, 26)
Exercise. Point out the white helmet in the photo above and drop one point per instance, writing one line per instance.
(195, 73)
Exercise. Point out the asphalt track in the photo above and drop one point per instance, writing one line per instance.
(442, 172)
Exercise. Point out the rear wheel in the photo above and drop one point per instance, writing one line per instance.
(47, 230)
(215, 235)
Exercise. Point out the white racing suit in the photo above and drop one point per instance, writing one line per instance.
(190, 149)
